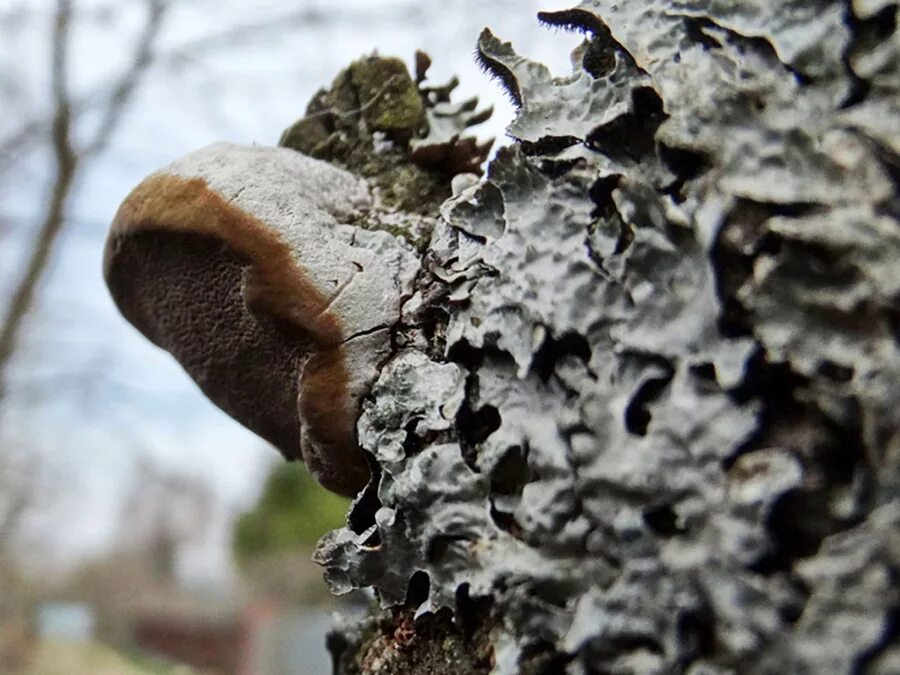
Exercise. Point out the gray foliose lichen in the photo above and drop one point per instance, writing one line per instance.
(648, 395)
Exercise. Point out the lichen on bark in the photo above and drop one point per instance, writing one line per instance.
(401, 134)
(646, 405)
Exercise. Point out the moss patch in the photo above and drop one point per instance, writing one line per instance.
(389, 97)
(364, 123)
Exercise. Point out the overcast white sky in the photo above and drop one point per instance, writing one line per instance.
(230, 70)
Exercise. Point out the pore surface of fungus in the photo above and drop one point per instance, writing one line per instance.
(241, 263)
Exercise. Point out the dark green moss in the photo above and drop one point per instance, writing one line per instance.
(389, 98)
(364, 123)
(306, 134)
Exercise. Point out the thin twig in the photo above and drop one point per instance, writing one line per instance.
(128, 82)
(32, 131)
(66, 162)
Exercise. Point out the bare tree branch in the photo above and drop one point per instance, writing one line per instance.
(115, 102)
(19, 492)
(32, 131)
(128, 82)
(67, 160)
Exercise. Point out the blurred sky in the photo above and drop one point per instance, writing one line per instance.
(90, 396)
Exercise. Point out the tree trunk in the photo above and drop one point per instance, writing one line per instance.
(644, 412)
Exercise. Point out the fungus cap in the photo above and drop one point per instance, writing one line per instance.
(239, 262)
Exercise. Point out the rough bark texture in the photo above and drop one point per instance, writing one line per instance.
(642, 414)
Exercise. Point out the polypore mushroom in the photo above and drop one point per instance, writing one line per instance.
(237, 260)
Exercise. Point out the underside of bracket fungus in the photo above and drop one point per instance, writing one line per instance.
(239, 261)
(276, 278)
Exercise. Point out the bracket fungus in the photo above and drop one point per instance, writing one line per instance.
(241, 262)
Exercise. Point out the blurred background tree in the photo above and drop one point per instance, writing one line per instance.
(292, 513)
(273, 541)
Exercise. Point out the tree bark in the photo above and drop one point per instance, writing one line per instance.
(643, 412)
